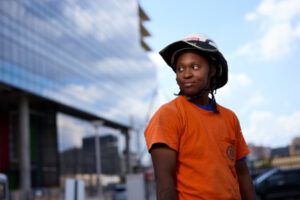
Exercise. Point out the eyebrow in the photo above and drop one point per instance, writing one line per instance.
(193, 63)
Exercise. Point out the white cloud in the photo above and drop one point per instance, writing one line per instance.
(18, 12)
(279, 10)
(267, 129)
(277, 41)
(124, 88)
(252, 102)
(126, 108)
(89, 94)
(78, 94)
(240, 95)
(157, 59)
(297, 30)
(166, 79)
(279, 28)
(102, 22)
(251, 16)
(110, 106)
(237, 83)
(71, 131)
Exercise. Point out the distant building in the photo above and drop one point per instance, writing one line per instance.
(286, 162)
(287, 157)
(83, 160)
(71, 161)
(295, 147)
(258, 153)
(110, 159)
(280, 152)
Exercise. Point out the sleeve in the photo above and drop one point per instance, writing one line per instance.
(242, 149)
(164, 127)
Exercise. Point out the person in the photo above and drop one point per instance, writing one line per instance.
(196, 145)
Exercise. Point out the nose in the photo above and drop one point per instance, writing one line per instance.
(187, 73)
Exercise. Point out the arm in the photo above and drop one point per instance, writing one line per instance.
(246, 186)
(164, 163)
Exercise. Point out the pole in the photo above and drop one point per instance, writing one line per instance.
(98, 124)
(127, 152)
(24, 148)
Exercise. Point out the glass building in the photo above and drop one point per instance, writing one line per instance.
(86, 55)
(86, 58)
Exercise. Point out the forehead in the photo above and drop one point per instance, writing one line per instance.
(191, 56)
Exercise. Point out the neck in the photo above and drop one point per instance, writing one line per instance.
(203, 100)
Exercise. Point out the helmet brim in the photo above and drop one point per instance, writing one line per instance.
(168, 52)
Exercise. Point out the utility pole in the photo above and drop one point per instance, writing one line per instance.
(24, 127)
(97, 125)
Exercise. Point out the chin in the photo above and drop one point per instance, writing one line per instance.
(190, 93)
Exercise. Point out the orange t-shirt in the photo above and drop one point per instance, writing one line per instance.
(207, 144)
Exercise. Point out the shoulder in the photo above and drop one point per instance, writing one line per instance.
(170, 107)
(227, 113)
(170, 110)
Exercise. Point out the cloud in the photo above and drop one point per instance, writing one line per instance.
(276, 10)
(237, 83)
(268, 129)
(92, 98)
(71, 131)
(240, 94)
(157, 59)
(103, 22)
(279, 29)
(20, 13)
(89, 94)
(166, 79)
(252, 102)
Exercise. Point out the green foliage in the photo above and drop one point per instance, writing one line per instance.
(264, 163)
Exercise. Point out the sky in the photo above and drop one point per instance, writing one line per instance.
(260, 40)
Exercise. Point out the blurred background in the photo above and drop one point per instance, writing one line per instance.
(79, 81)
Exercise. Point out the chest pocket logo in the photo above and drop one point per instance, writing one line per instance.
(230, 152)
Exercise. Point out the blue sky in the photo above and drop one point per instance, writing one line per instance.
(261, 42)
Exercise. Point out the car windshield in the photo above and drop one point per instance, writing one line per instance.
(264, 176)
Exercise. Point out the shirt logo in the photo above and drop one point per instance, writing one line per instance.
(230, 152)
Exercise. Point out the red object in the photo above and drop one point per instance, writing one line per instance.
(4, 142)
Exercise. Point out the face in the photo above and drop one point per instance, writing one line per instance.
(192, 73)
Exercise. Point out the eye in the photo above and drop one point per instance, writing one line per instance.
(179, 69)
(196, 67)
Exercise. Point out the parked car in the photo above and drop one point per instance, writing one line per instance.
(4, 192)
(120, 192)
(278, 184)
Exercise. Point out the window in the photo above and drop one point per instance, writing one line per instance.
(276, 177)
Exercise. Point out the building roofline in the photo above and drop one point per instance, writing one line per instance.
(10, 97)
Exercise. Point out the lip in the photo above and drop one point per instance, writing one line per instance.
(188, 84)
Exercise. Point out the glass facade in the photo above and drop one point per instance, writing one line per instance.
(84, 54)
